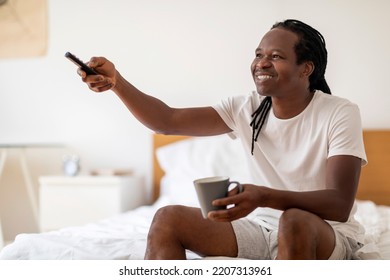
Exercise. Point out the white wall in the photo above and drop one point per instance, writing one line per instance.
(186, 52)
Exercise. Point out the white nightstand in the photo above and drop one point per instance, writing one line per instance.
(73, 201)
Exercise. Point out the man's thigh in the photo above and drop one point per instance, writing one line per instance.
(200, 235)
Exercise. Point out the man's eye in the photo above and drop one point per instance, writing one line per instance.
(259, 55)
(276, 56)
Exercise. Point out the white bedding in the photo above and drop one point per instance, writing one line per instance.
(120, 237)
(124, 236)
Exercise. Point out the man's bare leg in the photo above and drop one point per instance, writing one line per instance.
(177, 228)
(303, 235)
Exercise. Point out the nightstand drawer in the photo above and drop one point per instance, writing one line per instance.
(73, 201)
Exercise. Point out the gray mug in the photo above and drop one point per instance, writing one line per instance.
(211, 188)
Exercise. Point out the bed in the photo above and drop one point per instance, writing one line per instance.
(177, 161)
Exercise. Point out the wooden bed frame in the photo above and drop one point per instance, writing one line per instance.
(374, 180)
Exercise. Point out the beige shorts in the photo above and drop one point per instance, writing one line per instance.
(258, 243)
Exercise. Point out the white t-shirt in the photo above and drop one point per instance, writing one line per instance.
(291, 154)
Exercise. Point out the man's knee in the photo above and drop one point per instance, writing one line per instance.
(304, 235)
(296, 221)
(163, 237)
(166, 216)
(297, 235)
(165, 212)
(166, 219)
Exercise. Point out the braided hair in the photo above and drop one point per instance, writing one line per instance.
(310, 47)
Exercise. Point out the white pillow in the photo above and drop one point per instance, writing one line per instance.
(187, 160)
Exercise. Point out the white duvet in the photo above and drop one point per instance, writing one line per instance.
(120, 237)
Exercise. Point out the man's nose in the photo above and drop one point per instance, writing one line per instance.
(264, 62)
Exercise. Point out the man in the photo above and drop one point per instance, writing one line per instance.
(305, 148)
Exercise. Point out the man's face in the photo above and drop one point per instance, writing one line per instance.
(274, 69)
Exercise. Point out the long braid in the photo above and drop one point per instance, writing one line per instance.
(310, 47)
(258, 119)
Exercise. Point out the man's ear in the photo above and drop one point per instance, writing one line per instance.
(308, 69)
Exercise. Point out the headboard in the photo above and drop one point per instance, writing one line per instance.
(374, 181)
(375, 177)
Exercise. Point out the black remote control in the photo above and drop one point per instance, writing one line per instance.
(88, 70)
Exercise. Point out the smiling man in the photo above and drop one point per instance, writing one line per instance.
(304, 146)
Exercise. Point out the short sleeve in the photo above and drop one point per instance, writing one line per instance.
(346, 134)
(236, 111)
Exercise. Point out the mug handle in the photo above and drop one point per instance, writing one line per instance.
(238, 185)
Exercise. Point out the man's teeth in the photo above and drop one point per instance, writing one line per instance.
(264, 77)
